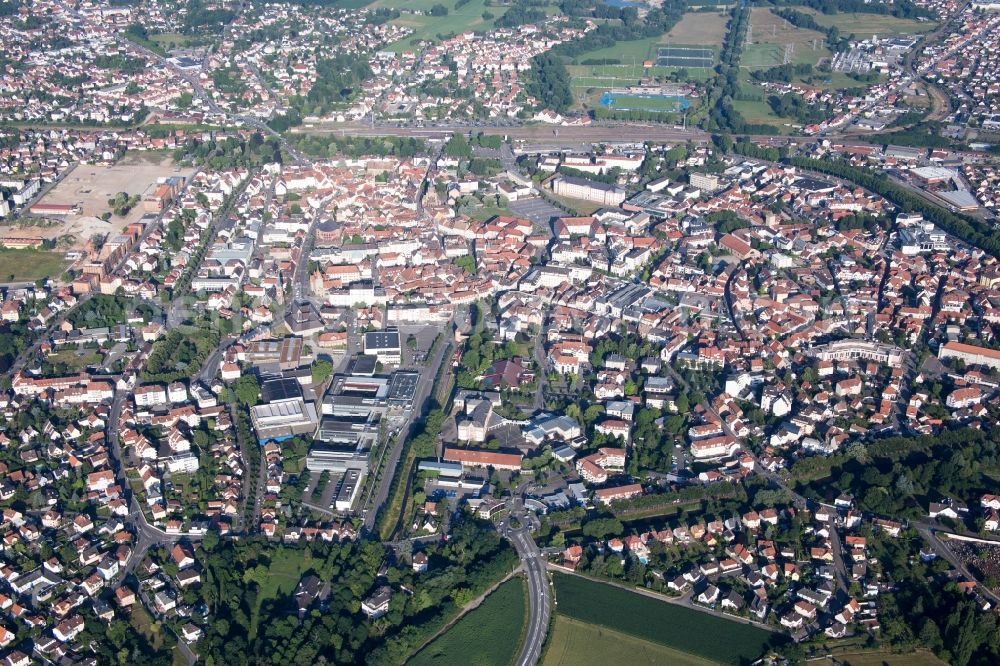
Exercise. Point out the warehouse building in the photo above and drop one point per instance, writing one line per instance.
(384, 345)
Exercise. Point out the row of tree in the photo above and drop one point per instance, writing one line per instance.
(899, 8)
(358, 146)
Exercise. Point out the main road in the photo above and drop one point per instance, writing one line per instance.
(539, 595)
(422, 393)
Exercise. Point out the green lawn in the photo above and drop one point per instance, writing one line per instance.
(627, 53)
(145, 625)
(590, 81)
(757, 112)
(490, 635)
(619, 76)
(488, 212)
(762, 56)
(631, 54)
(469, 17)
(679, 628)
(771, 34)
(579, 206)
(630, 73)
(832, 81)
(170, 40)
(178, 657)
(693, 73)
(30, 265)
(284, 574)
(877, 658)
(75, 360)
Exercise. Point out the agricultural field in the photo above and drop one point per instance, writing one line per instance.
(30, 265)
(643, 617)
(772, 37)
(427, 27)
(573, 642)
(489, 635)
(708, 28)
(866, 25)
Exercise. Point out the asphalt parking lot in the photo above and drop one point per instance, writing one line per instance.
(509, 437)
(425, 335)
(538, 211)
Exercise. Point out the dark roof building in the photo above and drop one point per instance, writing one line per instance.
(303, 319)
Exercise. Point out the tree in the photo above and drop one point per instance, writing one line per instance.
(592, 413)
(210, 541)
(601, 528)
(858, 451)
(247, 390)
(551, 82)
(320, 371)
(930, 635)
(458, 146)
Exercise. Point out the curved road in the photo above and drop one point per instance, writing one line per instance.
(930, 535)
(539, 595)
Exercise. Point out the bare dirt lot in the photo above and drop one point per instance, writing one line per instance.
(90, 187)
